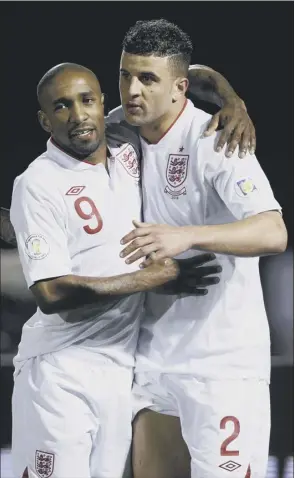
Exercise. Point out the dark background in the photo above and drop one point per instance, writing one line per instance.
(250, 43)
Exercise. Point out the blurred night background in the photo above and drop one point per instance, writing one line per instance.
(251, 44)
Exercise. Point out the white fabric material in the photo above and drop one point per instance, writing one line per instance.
(211, 412)
(76, 406)
(69, 217)
(225, 334)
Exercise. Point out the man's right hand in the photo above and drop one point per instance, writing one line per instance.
(193, 278)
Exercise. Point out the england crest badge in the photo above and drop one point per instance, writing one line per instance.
(129, 159)
(176, 174)
(44, 463)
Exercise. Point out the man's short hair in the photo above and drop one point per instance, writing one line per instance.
(160, 38)
(54, 71)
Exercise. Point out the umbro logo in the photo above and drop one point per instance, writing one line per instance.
(75, 190)
(230, 466)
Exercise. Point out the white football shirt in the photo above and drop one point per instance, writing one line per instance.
(69, 217)
(224, 334)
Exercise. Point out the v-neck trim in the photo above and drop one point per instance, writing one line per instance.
(164, 135)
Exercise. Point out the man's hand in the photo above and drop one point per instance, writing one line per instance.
(170, 268)
(209, 85)
(193, 279)
(161, 239)
(238, 128)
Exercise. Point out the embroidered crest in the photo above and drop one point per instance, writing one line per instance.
(128, 158)
(176, 174)
(44, 463)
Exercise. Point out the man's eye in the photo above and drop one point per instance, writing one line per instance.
(59, 107)
(146, 79)
(88, 101)
(124, 74)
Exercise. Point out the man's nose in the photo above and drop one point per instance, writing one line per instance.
(134, 87)
(78, 114)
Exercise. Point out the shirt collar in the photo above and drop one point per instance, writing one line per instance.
(186, 112)
(66, 160)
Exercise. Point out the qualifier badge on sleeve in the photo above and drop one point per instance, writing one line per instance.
(245, 186)
(37, 247)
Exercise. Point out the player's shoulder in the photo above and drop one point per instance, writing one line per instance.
(120, 134)
(194, 124)
(200, 120)
(37, 174)
(204, 147)
(199, 123)
(200, 115)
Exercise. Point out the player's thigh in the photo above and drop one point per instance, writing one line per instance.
(222, 423)
(261, 434)
(52, 424)
(112, 444)
(158, 447)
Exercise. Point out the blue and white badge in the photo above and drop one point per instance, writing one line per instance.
(245, 186)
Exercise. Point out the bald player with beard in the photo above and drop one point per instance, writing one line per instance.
(71, 403)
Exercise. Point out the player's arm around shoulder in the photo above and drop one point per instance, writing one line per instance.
(238, 129)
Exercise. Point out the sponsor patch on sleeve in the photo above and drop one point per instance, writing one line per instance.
(37, 247)
(245, 186)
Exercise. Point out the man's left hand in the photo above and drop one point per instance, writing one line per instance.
(161, 239)
(238, 128)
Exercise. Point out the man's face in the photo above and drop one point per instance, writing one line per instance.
(147, 88)
(72, 111)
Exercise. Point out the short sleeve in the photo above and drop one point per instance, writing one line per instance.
(40, 232)
(241, 184)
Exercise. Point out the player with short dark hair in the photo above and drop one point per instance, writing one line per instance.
(205, 360)
(160, 38)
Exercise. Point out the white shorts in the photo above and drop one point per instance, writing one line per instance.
(71, 416)
(226, 423)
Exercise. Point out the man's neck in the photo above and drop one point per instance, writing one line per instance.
(155, 131)
(98, 156)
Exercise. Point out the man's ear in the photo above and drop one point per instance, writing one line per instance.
(44, 121)
(180, 88)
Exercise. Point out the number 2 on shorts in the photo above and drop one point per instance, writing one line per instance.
(84, 215)
(223, 449)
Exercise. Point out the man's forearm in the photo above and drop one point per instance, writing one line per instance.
(257, 235)
(209, 85)
(68, 292)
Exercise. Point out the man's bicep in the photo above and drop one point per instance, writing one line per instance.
(243, 187)
(40, 235)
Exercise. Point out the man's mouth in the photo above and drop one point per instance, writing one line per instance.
(133, 107)
(81, 133)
